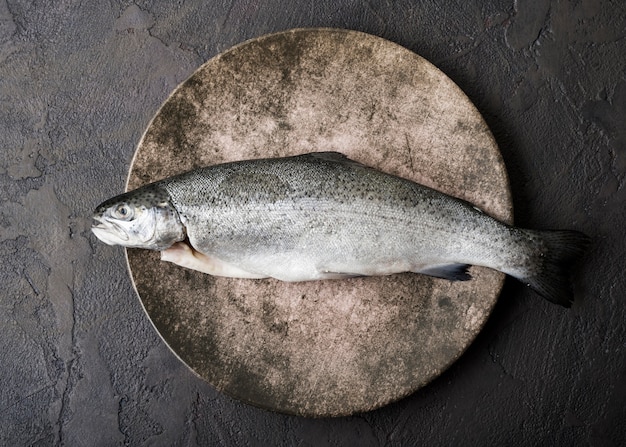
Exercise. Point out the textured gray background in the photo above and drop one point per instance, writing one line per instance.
(80, 364)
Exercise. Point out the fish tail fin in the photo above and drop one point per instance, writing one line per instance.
(558, 251)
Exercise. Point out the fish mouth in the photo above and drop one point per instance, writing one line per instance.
(108, 232)
(100, 222)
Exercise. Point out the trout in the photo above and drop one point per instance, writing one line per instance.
(324, 216)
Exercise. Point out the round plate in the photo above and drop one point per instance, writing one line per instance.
(335, 347)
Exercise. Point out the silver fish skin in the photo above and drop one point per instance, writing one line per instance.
(322, 215)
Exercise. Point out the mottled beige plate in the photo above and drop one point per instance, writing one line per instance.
(322, 348)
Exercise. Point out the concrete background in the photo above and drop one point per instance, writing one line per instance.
(80, 364)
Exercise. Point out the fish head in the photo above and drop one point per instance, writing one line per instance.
(143, 218)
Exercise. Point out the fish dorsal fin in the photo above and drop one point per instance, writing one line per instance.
(335, 157)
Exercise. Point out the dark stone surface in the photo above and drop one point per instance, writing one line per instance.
(81, 364)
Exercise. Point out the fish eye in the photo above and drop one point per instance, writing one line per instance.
(123, 211)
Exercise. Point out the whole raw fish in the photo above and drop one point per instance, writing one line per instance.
(321, 216)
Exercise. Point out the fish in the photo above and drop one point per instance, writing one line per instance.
(322, 216)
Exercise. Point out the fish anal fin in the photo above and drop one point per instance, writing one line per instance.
(453, 272)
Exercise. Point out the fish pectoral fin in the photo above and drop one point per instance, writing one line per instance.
(185, 256)
(453, 272)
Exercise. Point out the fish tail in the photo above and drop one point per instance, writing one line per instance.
(558, 251)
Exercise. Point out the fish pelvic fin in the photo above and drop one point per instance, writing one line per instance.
(559, 252)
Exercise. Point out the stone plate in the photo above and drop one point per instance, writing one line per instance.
(335, 347)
